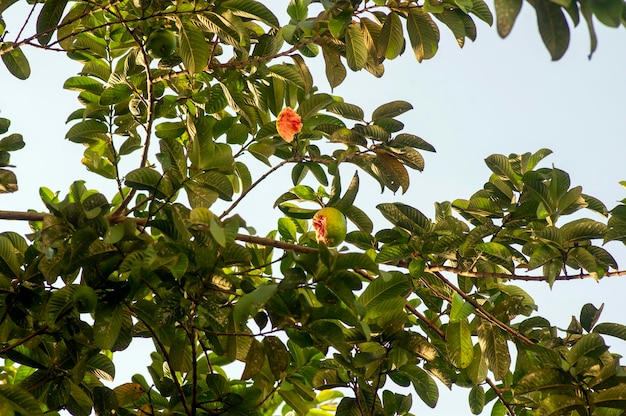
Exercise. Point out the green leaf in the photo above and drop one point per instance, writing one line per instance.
(9, 263)
(217, 182)
(480, 9)
(107, 325)
(356, 51)
(501, 166)
(288, 73)
(359, 218)
(390, 172)
(348, 261)
(589, 315)
(558, 404)
(393, 109)
(460, 308)
(180, 358)
(102, 367)
(476, 399)
(249, 304)
(583, 229)
(590, 345)
(334, 69)
(553, 27)
(405, 139)
(460, 347)
(506, 14)
(310, 106)
(193, 48)
(587, 13)
(115, 94)
(277, 355)
(293, 399)
(12, 142)
(614, 397)
(16, 399)
(614, 330)
(405, 216)
(86, 130)
(386, 286)
(454, 20)
(253, 10)
(346, 110)
(48, 19)
(544, 379)
(423, 34)
(255, 358)
(8, 181)
(424, 385)
(391, 40)
(492, 342)
(4, 125)
(15, 61)
(609, 12)
(149, 180)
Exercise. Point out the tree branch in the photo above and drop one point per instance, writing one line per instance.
(38, 216)
(498, 393)
(515, 333)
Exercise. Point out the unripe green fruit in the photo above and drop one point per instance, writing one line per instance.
(84, 299)
(161, 44)
(330, 226)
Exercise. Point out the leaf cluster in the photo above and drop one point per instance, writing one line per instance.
(243, 324)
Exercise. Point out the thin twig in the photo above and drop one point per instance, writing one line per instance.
(515, 333)
(23, 340)
(252, 186)
(498, 393)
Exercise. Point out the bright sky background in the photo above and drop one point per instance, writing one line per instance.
(492, 96)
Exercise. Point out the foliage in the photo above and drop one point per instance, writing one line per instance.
(309, 323)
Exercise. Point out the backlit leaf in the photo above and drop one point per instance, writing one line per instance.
(391, 40)
(194, 50)
(493, 344)
(356, 51)
(460, 347)
(423, 34)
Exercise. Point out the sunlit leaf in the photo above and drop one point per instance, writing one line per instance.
(391, 40)
(194, 50)
(494, 346)
(356, 51)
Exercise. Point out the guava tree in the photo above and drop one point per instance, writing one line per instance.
(177, 100)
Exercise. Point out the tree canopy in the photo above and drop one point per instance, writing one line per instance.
(325, 314)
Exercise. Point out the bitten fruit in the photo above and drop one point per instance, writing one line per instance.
(288, 124)
(84, 299)
(330, 226)
(161, 44)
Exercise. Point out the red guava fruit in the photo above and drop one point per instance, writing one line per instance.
(330, 226)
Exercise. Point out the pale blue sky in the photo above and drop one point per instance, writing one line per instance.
(493, 96)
